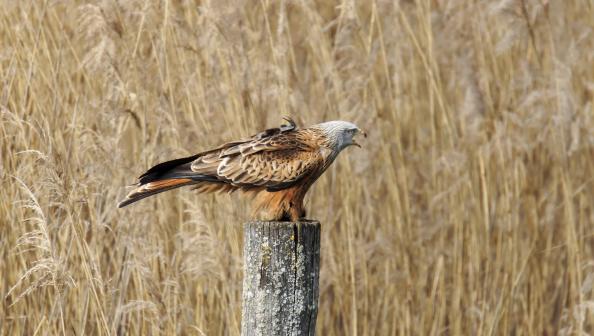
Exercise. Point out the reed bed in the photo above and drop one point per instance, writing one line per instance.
(469, 210)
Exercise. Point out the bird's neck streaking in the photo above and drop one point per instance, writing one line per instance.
(329, 153)
(335, 143)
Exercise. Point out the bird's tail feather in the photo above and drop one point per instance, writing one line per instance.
(173, 174)
(154, 187)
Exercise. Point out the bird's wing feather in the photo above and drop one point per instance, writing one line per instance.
(275, 162)
(272, 169)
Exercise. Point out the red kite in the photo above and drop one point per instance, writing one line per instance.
(277, 166)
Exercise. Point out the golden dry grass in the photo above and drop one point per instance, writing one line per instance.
(470, 210)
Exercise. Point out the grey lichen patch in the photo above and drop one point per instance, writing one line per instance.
(300, 269)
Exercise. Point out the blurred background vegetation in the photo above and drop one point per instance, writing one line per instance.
(469, 211)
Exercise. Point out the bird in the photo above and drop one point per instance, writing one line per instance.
(276, 167)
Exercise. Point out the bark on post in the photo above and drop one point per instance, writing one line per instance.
(281, 276)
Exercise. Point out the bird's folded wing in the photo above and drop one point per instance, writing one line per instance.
(276, 162)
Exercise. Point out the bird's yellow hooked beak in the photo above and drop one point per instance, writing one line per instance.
(359, 131)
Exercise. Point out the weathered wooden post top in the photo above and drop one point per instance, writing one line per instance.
(281, 277)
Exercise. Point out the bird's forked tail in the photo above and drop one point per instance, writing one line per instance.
(162, 177)
(155, 187)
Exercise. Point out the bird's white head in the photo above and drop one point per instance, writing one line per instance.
(341, 133)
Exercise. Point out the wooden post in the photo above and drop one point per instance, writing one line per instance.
(281, 277)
